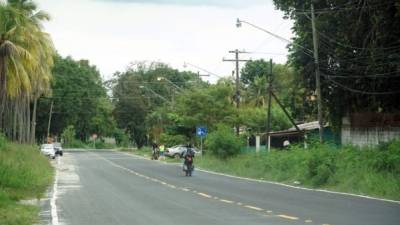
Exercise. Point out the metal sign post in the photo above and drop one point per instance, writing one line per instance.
(201, 131)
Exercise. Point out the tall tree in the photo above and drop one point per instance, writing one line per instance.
(359, 48)
(79, 99)
(139, 93)
(26, 58)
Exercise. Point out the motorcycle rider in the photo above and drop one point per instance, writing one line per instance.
(188, 156)
(154, 151)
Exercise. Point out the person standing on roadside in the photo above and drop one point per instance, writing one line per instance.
(162, 149)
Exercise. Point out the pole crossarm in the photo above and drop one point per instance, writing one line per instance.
(202, 69)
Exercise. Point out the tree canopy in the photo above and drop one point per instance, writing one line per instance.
(359, 49)
(79, 99)
(26, 59)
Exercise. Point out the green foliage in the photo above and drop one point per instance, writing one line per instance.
(26, 60)
(171, 140)
(286, 83)
(80, 98)
(142, 90)
(24, 174)
(3, 141)
(223, 143)
(121, 138)
(76, 143)
(255, 118)
(356, 43)
(253, 69)
(68, 134)
(207, 106)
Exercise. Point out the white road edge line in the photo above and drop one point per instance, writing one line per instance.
(277, 183)
(54, 215)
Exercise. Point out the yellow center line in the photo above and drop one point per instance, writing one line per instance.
(253, 207)
(204, 195)
(227, 201)
(288, 217)
(201, 193)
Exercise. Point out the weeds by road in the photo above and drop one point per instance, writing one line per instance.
(24, 174)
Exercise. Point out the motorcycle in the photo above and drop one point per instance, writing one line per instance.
(188, 165)
(155, 154)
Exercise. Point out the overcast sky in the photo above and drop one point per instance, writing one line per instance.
(113, 33)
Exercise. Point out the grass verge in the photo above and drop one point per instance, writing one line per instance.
(24, 174)
(368, 171)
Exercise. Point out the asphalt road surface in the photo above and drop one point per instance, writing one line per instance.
(107, 188)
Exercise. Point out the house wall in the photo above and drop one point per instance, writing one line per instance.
(367, 135)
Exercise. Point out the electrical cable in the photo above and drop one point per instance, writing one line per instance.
(362, 92)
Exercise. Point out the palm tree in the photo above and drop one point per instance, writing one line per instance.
(26, 59)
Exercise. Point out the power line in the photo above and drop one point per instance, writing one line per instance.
(362, 92)
(334, 9)
(378, 75)
(359, 48)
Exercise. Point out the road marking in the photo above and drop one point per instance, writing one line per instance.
(288, 217)
(204, 195)
(325, 224)
(301, 188)
(227, 201)
(253, 207)
(198, 193)
(270, 182)
(308, 221)
(54, 216)
(172, 186)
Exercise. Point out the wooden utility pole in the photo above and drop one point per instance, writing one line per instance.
(49, 123)
(269, 89)
(237, 94)
(317, 75)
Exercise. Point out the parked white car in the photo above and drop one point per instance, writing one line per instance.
(177, 150)
(48, 150)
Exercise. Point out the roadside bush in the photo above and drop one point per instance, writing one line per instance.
(68, 135)
(321, 166)
(75, 143)
(121, 138)
(223, 143)
(2, 141)
(171, 140)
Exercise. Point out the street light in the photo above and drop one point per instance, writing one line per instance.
(239, 24)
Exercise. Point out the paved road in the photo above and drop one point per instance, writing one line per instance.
(113, 188)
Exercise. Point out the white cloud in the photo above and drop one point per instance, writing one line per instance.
(111, 35)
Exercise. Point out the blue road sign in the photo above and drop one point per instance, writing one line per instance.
(201, 131)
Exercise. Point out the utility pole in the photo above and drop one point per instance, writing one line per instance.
(49, 123)
(317, 74)
(237, 94)
(269, 88)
